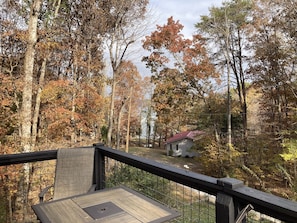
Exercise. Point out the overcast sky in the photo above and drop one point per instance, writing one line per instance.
(188, 12)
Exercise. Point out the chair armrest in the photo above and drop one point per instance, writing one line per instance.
(42, 193)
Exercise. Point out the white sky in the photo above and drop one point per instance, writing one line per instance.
(188, 12)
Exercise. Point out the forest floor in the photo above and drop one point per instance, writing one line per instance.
(160, 155)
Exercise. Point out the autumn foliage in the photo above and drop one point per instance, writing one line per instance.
(181, 71)
(85, 89)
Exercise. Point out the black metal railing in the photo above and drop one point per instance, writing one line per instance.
(231, 195)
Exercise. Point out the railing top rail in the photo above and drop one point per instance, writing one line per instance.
(9, 159)
(18, 158)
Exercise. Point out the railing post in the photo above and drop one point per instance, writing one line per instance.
(226, 210)
(99, 166)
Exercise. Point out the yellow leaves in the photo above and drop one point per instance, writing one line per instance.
(54, 90)
(49, 45)
(291, 147)
(233, 152)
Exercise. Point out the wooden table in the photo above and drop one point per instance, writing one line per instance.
(119, 205)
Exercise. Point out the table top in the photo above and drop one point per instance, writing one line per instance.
(118, 204)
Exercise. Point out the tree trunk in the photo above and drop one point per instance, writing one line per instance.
(28, 78)
(26, 112)
(229, 108)
(241, 89)
(295, 169)
(128, 124)
(41, 84)
(74, 95)
(229, 127)
(154, 136)
(37, 103)
(160, 140)
(111, 113)
(119, 125)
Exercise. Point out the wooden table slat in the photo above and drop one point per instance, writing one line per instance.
(119, 218)
(114, 205)
(104, 196)
(141, 209)
(62, 211)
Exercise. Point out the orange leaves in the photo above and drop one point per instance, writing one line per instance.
(88, 99)
(169, 47)
(167, 36)
(158, 57)
(66, 107)
(8, 106)
(45, 47)
(181, 69)
(6, 90)
(5, 102)
(129, 81)
(17, 35)
(58, 119)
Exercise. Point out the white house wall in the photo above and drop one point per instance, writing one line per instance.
(180, 150)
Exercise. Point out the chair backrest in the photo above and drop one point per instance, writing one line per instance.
(74, 172)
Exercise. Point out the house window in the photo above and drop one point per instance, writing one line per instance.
(176, 147)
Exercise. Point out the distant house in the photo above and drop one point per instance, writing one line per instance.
(181, 144)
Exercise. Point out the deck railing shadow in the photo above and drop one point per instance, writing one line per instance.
(197, 197)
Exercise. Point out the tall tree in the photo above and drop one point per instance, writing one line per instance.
(273, 69)
(181, 70)
(74, 38)
(45, 47)
(226, 27)
(124, 26)
(128, 94)
(28, 75)
(274, 64)
(33, 44)
(26, 113)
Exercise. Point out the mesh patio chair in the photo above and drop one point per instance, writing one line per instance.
(74, 173)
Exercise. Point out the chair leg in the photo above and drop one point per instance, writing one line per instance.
(243, 213)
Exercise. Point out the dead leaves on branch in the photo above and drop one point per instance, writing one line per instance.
(57, 111)
(169, 48)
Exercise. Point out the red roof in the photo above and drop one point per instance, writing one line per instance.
(183, 135)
